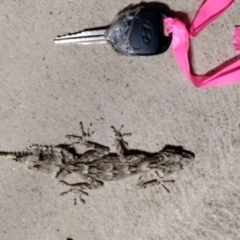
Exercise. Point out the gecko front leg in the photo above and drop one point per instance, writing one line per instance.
(159, 180)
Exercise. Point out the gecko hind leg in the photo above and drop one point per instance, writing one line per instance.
(82, 137)
(121, 144)
(76, 188)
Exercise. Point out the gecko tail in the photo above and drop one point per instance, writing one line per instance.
(14, 154)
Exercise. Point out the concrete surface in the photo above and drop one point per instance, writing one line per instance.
(47, 89)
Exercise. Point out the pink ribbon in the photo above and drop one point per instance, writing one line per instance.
(208, 12)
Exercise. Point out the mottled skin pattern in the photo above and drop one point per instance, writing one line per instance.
(48, 159)
(99, 164)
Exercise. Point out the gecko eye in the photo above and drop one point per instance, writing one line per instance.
(186, 161)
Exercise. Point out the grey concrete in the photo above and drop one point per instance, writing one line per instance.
(47, 89)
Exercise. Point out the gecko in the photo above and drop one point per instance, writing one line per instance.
(99, 164)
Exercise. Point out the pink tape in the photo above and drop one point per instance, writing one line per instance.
(208, 12)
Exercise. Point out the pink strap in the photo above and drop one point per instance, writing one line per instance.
(236, 40)
(209, 11)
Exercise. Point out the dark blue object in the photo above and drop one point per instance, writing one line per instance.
(147, 34)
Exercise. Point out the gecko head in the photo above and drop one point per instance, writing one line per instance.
(173, 159)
